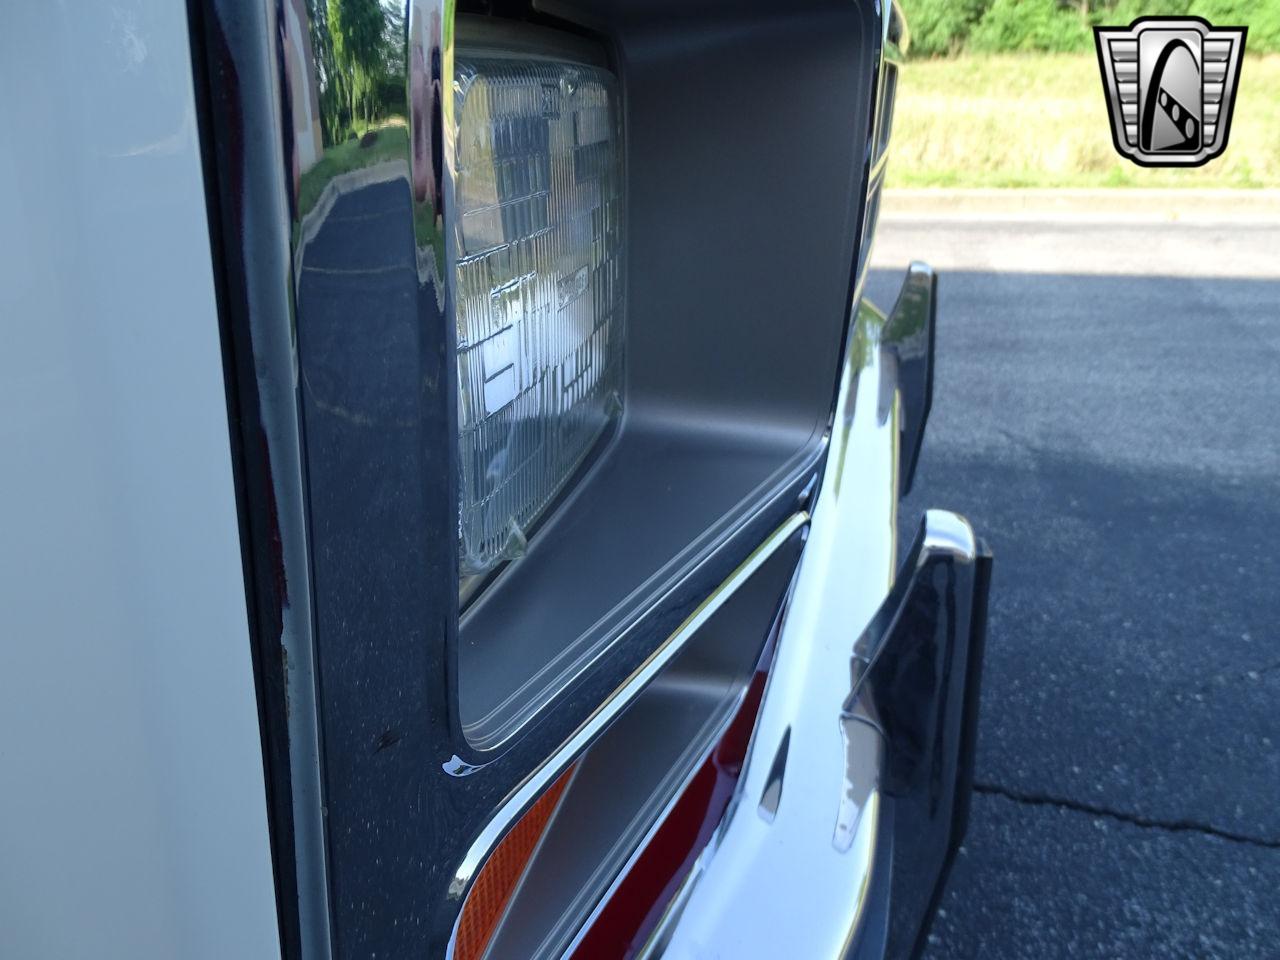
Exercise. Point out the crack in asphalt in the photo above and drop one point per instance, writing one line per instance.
(1137, 820)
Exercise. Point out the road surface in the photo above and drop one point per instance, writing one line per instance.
(1107, 413)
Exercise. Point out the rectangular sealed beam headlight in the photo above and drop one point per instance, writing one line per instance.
(539, 287)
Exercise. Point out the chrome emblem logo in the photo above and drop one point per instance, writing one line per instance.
(1170, 86)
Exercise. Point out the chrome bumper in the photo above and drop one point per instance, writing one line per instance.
(855, 793)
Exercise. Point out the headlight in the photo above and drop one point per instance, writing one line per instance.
(538, 233)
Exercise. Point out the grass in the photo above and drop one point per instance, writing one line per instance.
(1040, 120)
(392, 144)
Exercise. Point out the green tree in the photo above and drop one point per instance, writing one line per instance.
(941, 26)
(1262, 19)
(1031, 25)
(359, 32)
(333, 95)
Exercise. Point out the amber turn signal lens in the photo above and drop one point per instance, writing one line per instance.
(491, 892)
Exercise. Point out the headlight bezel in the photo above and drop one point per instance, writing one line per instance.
(729, 380)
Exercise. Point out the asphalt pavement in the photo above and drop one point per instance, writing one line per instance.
(1107, 413)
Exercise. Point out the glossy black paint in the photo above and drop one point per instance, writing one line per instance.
(372, 348)
(909, 338)
(968, 746)
(924, 681)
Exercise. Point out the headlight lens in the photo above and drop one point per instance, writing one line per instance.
(538, 187)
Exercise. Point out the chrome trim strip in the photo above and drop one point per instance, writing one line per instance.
(948, 533)
(525, 794)
(897, 34)
(877, 173)
(776, 486)
(646, 838)
(708, 748)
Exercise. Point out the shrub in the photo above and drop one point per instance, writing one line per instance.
(1124, 12)
(1021, 25)
(1262, 19)
(941, 26)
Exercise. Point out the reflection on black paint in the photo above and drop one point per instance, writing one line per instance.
(919, 664)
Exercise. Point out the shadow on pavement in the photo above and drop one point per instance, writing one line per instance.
(1117, 440)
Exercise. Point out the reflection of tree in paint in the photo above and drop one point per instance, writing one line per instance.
(357, 57)
(359, 37)
(344, 90)
(328, 79)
